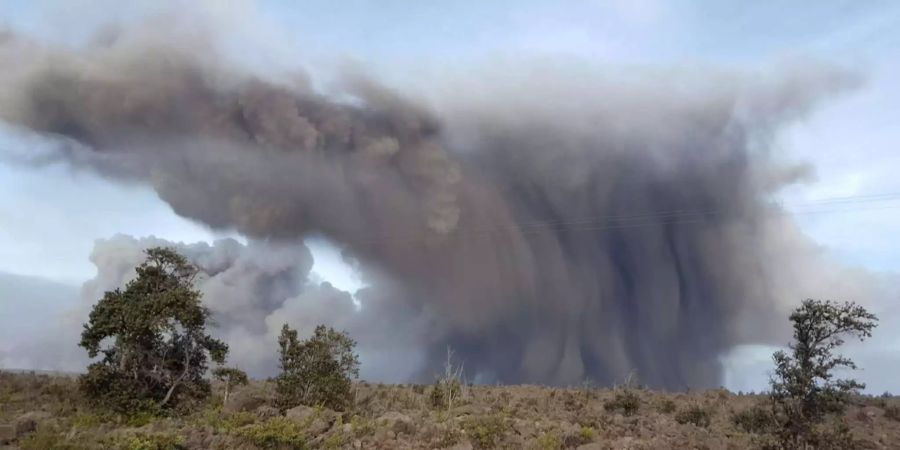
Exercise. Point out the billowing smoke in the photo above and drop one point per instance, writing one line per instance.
(549, 226)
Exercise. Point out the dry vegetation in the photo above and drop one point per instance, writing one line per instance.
(48, 412)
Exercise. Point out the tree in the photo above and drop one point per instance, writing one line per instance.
(157, 348)
(804, 390)
(448, 386)
(231, 376)
(318, 371)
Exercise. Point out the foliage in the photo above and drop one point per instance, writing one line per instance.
(48, 439)
(694, 415)
(892, 412)
(666, 406)
(804, 390)
(548, 441)
(150, 441)
(756, 420)
(437, 397)
(485, 431)
(829, 435)
(625, 401)
(158, 346)
(448, 387)
(91, 419)
(277, 432)
(231, 377)
(317, 371)
(224, 422)
(584, 435)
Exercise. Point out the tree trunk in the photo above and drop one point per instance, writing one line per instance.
(187, 366)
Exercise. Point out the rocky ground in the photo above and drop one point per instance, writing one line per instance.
(47, 412)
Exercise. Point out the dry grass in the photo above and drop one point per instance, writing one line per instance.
(403, 416)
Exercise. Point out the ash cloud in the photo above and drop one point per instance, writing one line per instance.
(550, 226)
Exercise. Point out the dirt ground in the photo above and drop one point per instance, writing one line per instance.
(47, 412)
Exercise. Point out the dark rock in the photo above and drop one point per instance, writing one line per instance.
(266, 412)
(316, 421)
(397, 422)
(244, 401)
(7, 433)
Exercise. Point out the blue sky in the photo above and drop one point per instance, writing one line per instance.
(50, 217)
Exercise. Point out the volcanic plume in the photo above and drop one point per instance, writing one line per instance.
(549, 227)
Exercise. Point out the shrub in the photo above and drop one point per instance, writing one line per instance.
(485, 431)
(827, 435)
(274, 433)
(449, 437)
(756, 420)
(666, 406)
(224, 422)
(154, 441)
(46, 438)
(437, 397)
(90, 419)
(317, 371)
(548, 441)
(694, 415)
(584, 435)
(158, 346)
(448, 387)
(892, 413)
(625, 401)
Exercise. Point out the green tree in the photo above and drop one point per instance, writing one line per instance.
(152, 338)
(804, 389)
(318, 371)
(232, 377)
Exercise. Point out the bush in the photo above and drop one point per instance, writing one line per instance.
(548, 441)
(46, 438)
(274, 433)
(694, 415)
(584, 435)
(485, 431)
(667, 406)
(892, 413)
(626, 402)
(154, 441)
(756, 420)
(448, 387)
(437, 397)
(222, 421)
(827, 435)
(317, 371)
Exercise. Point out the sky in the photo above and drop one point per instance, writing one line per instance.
(50, 217)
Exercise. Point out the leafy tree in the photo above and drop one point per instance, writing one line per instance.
(804, 389)
(317, 371)
(231, 376)
(156, 347)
